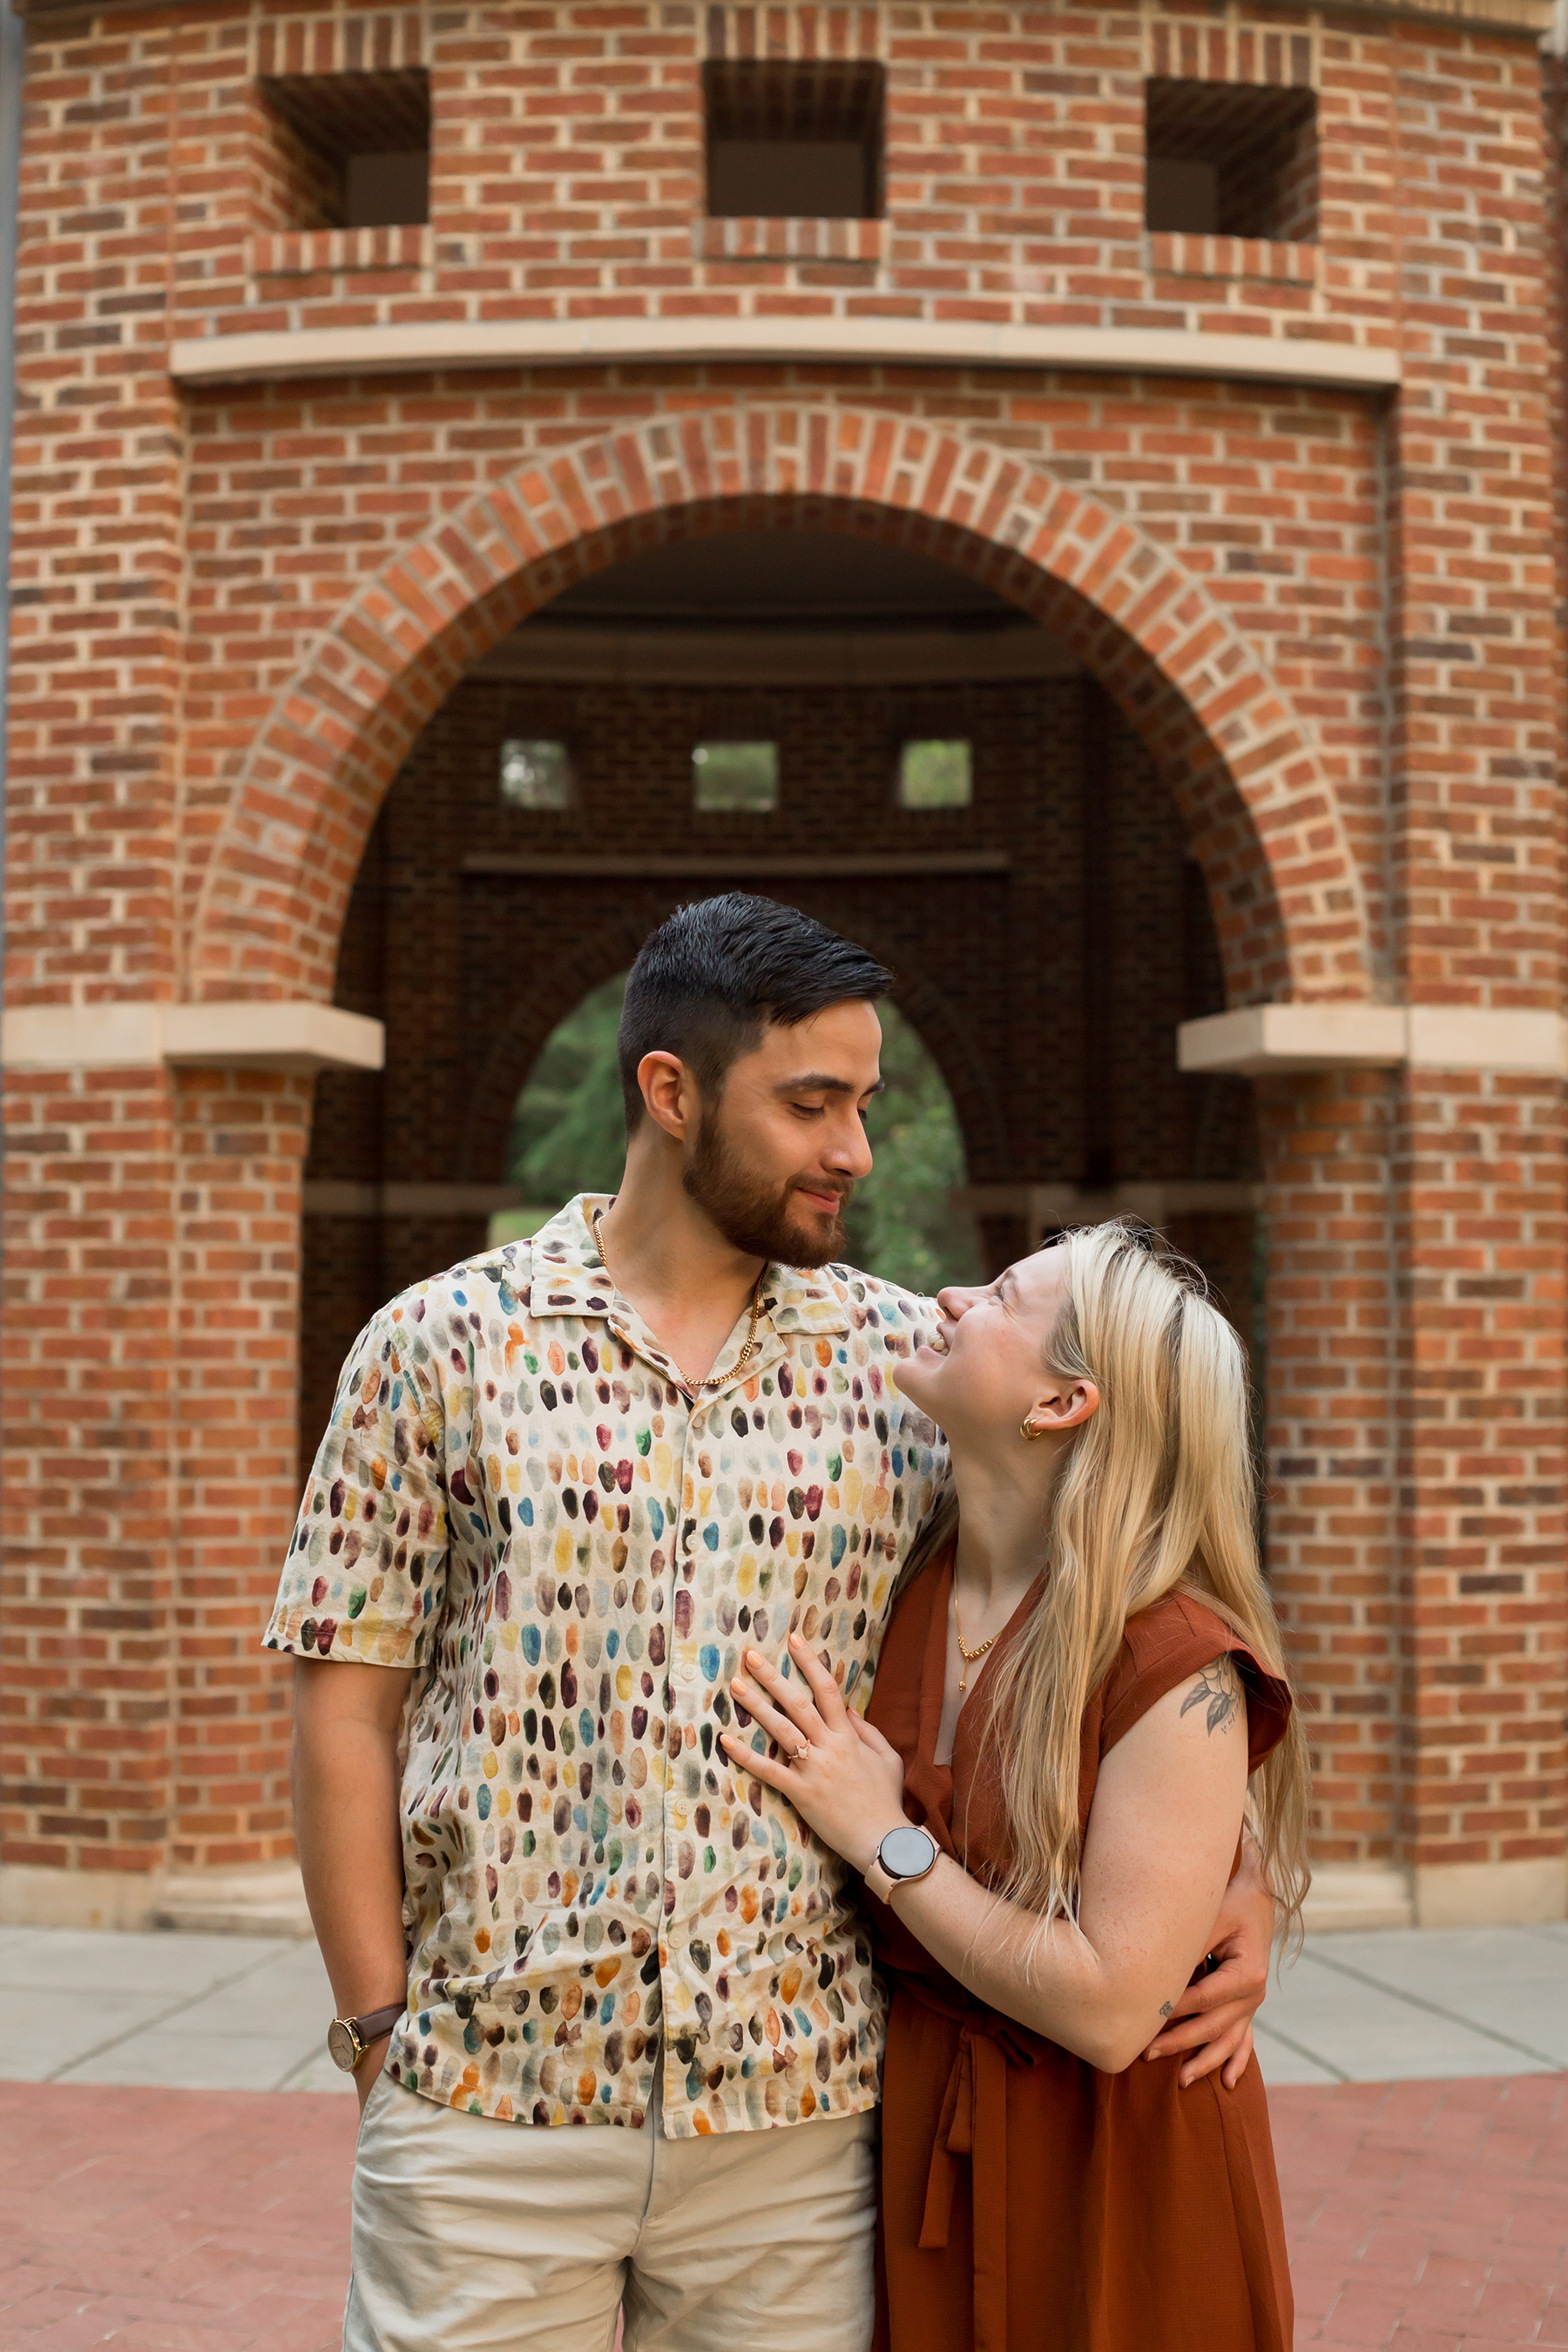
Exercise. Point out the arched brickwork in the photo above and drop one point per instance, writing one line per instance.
(1261, 813)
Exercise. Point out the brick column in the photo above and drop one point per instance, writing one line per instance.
(87, 1573)
(1332, 1436)
(1481, 1188)
(1477, 712)
(150, 1375)
(242, 1137)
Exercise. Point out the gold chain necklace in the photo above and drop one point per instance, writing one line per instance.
(747, 1352)
(964, 1652)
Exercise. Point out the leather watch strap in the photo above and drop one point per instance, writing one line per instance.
(348, 2037)
(377, 2022)
(879, 1884)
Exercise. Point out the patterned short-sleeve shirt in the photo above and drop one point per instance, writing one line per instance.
(519, 1499)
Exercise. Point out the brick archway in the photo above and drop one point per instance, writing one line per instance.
(1261, 813)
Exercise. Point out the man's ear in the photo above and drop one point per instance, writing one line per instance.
(1068, 1407)
(669, 1093)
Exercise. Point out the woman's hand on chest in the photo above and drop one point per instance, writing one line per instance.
(844, 1780)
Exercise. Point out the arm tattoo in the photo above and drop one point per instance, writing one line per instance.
(1220, 1686)
(1166, 2007)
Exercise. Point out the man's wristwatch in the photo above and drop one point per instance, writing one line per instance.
(348, 2037)
(904, 1855)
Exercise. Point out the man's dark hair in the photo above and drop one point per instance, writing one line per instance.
(709, 982)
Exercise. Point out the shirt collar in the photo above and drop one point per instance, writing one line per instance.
(569, 1277)
(568, 1273)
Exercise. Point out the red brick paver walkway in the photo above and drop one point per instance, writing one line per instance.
(1429, 2216)
(172, 2220)
(1426, 2217)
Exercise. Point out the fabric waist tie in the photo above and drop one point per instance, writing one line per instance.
(973, 2124)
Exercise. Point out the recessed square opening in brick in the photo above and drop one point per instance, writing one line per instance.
(351, 149)
(936, 774)
(536, 773)
(1231, 159)
(794, 141)
(735, 777)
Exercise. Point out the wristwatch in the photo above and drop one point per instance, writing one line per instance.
(348, 2037)
(904, 1855)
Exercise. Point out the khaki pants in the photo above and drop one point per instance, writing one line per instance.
(476, 2236)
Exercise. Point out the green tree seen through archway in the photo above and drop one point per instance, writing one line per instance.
(568, 1136)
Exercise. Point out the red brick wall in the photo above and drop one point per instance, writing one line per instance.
(1330, 620)
(567, 168)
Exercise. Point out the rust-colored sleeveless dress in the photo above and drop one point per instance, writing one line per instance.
(1029, 2203)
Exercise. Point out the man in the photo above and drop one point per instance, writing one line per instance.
(563, 1488)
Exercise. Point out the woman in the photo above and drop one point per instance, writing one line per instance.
(1077, 1688)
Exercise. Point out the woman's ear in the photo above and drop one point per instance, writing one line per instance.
(1068, 1407)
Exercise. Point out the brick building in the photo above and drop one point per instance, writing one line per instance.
(434, 424)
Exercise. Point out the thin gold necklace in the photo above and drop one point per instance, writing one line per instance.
(964, 1652)
(747, 1352)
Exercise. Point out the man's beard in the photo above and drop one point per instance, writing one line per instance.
(754, 1217)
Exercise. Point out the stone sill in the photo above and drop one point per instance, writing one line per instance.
(135, 1032)
(755, 238)
(238, 355)
(1273, 1040)
(1265, 260)
(338, 252)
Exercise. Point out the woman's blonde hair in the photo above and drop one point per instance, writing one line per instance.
(1156, 1494)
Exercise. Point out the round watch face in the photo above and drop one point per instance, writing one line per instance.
(907, 1853)
(341, 2045)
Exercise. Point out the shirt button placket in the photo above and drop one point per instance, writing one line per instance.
(682, 1673)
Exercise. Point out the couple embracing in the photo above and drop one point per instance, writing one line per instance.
(796, 1783)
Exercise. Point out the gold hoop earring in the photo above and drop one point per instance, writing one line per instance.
(1027, 1430)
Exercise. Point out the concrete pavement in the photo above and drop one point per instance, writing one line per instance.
(238, 2012)
(184, 2012)
(1419, 2004)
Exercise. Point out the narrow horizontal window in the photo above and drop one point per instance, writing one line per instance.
(735, 776)
(1231, 159)
(347, 150)
(536, 773)
(793, 140)
(935, 774)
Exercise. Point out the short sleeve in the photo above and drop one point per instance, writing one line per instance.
(1175, 1639)
(366, 1569)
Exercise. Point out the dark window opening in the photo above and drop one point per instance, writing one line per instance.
(794, 141)
(353, 148)
(1231, 159)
